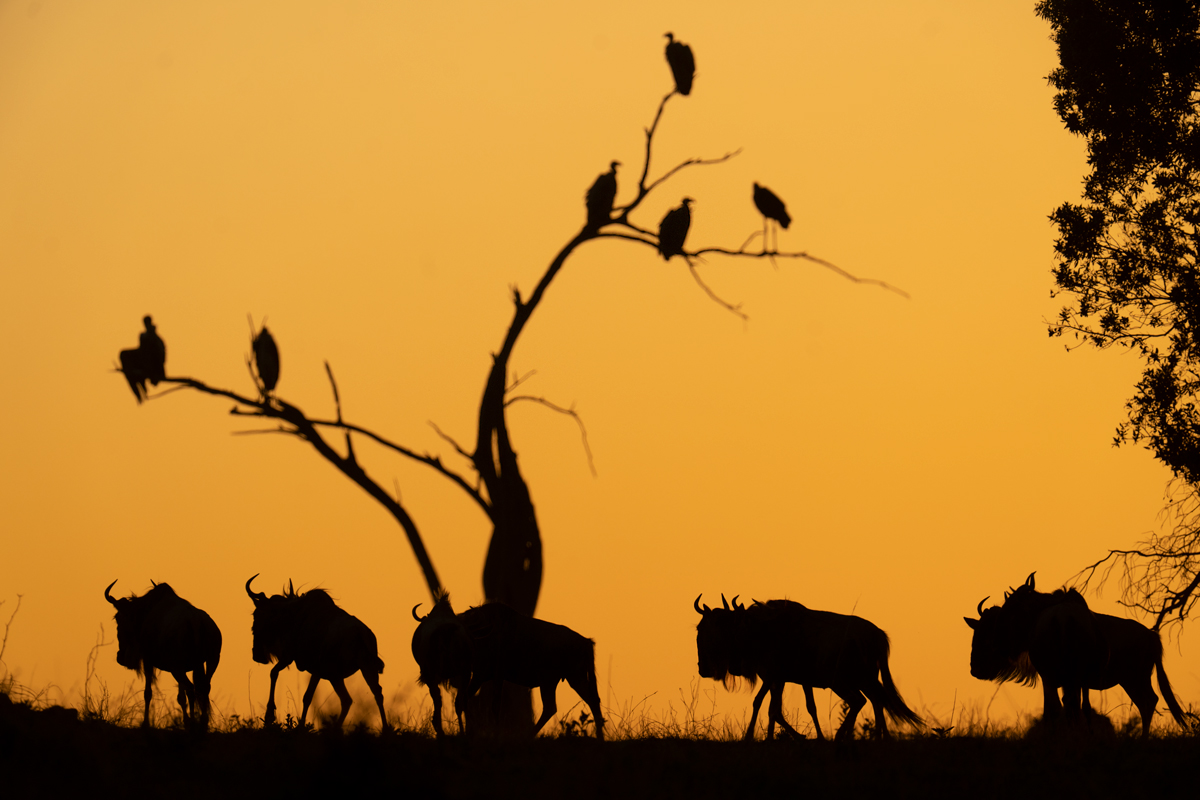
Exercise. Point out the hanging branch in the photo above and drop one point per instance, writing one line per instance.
(570, 412)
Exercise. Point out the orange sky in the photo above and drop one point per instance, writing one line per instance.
(374, 176)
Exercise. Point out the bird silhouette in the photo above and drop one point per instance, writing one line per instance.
(146, 362)
(771, 207)
(266, 359)
(600, 197)
(154, 352)
(673, 230)
(683, 64)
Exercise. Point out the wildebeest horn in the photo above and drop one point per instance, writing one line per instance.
(979, 608)
(1029, 580)
(696, 605)
(108, 596)
(291, 588)
(152, 583)
(414, 613)
(257, 598)
(724, 601)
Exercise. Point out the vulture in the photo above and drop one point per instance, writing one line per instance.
(266, 359)
(601, 196)
(683, 64)
(673, 230)
(770, 206)
(147, 362)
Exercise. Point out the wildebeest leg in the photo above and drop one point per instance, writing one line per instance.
(585, 686)
(549, 705)
(1072, 702)
(186, 696)
(854, 700)
(810, 703)
(758, 698)
(269, 716)
(148, 694)
(339, 688)
(308, 697)
(1142, 694)
(775, 710)
(461, 696)
(1051, 707)
(874, 692)
(372, 679)
(435, 694)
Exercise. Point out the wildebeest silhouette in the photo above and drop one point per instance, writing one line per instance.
(161, 630)
(1129, 654)
(781, 641)
(509, 646)
(600, 197)
(443, 650)
(682, 63)
(323, 640)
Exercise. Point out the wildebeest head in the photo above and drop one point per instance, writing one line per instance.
(996, 654)
(272, 620)
(131, 612)
(720, 642)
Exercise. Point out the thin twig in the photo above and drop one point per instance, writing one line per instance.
(11, 617)
(715, 297)
(457, 447)
(570, 412)
(828, 265)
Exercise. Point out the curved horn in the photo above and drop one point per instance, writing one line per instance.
(1029, 580)
(734, 602)
(696, 605)
(724, 601)
(979, 608)
(414, 613)
(257, 598)
(108, 596)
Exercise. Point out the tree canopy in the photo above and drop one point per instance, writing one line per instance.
(1127, 83)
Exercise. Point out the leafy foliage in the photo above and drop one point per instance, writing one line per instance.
(1127, 82)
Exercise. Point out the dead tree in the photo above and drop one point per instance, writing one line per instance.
(512, 571)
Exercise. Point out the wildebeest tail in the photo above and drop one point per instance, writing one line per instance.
(893, 703)
(1164, 686)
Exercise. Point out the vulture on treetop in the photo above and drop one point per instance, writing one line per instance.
(266, 359)
(673, 230)
(601, 196)
(683, 64)
(770, 206)
(146, 362)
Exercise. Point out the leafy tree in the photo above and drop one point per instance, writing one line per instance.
(513, 567)
(1128, 82)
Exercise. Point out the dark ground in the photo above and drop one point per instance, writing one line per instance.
(50, 753)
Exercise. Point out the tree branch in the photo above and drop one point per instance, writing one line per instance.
(571, 412)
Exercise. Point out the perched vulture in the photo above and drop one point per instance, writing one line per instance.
(135, 373)
(770, 206)
(683, 64)
(673, 230)
(154, 352)
(145, 363)
(601, 196)
(266, 359)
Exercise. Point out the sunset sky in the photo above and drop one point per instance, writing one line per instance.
(374, 177)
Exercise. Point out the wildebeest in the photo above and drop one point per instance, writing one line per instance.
(161, 630)
(324, 641)
(442, 649)
(509, 646)
(1129, 654)
(781, 641)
